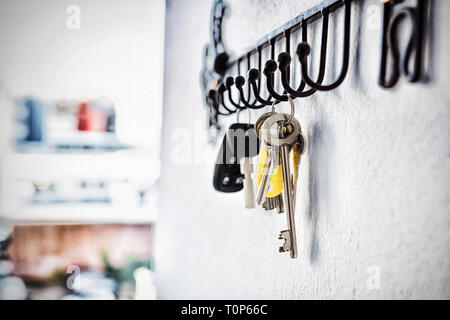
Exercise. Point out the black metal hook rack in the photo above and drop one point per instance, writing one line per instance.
(218, 88)
(225, 95)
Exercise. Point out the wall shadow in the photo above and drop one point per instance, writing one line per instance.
(357, 79)
(319, 141)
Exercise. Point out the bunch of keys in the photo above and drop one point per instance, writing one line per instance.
(282, 147)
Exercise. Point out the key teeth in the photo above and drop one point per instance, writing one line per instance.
(285, 235)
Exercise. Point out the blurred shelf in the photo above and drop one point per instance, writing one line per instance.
(129, 169)
(74, 141)
(125, 165)
(79, 214)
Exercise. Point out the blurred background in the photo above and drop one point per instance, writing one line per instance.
(81, 108)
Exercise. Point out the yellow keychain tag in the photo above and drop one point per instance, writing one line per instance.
(276, 180)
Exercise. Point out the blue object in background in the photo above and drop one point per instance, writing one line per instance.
(30, 119)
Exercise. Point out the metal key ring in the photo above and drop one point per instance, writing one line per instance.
(275, 101)
(291, 116)
(292, 111)
(274, 139)
(249, 115)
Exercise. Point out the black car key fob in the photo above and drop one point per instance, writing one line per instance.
(239, 141)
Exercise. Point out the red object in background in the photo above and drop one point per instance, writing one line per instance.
(91, 119)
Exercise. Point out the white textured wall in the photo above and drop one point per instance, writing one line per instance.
(374, 182)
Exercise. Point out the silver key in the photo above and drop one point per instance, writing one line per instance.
(272, 163)
(280, 203)
(301, 147)
(264, 184)
(269, 204)
(274, 203)
(290, 206)
(284, 142)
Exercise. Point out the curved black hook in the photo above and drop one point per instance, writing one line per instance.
(229, 82)
(254, 76)
(305, 39)
(303, 50)
(220, 93)
(393, 45)
(239, 82)
(413, 46)
(284, 61)
(248, 69)
(214, 101)
(269, 70)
